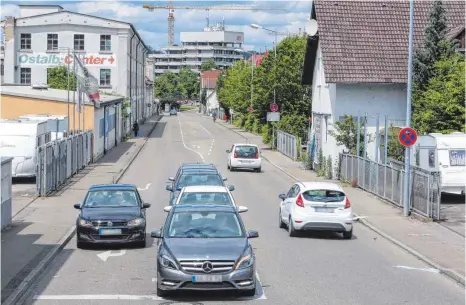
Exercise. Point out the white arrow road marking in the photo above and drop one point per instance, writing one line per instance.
(146, 188)
(105, 255)
(419, 269)
(184, 144)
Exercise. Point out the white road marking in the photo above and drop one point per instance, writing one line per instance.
(146, 188)
(154, 279)
(206, 130)
(184, 144)
(433, 270)
(262, 293)
(98, 297)
(105, 255)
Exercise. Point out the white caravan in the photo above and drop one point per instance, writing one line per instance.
(444, 153)
(19, 139)
(57, 125)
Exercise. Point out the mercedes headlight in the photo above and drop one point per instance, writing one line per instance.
(246, 260)
(85, 223)
(136, 222)
(165, 259)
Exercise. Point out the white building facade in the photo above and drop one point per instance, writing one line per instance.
(224, 47)
(112, 51)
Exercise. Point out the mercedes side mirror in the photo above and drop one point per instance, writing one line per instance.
(77, 206)
(242, 209)
(282, 196)
(253, 234)
(167, 208)
(169, 188)
(156, 234)
(146, 205)
(231, 188)
(171, 178)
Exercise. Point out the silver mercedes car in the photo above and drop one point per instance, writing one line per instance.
(205, 248)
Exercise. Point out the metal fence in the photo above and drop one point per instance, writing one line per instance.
(61, 159)
(386, 181)
(287, 144)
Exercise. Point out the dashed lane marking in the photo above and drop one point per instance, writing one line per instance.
(184, 144)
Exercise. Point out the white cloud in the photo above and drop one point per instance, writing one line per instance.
(9, 10)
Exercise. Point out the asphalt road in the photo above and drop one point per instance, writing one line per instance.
(312, 269)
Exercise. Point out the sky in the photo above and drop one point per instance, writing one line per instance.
(153, 26)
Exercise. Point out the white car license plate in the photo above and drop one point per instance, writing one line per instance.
(110, 232)
(325, 210)
(246, 161)
(206, 278)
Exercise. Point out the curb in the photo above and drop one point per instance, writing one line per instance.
(447, 272)
(21, 290)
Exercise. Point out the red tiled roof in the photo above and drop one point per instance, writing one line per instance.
(367, 41)
(209, 79)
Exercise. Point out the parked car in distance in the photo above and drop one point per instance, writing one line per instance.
(173, 112)
(195, 176)
(207, 195)
(318, 206)
(111, 214)
(246, 156)
(205, 248)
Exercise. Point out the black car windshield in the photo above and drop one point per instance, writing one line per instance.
(205, 225)
(323, 196)
(111, 199)
(221, 198)
(199, 179)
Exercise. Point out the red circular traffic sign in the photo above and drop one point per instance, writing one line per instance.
(250, 109)
(273, 107)
(407, 137)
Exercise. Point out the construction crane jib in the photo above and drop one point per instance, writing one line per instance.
(171, 12)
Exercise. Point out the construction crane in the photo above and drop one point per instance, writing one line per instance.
(171, 12)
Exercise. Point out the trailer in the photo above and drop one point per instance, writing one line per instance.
(444, 153)
(57, 125)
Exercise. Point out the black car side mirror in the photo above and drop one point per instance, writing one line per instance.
(282, 196)
(231, 188)
(146, 205)
(156, 234)
(253, 234)
(228, 151)
(169, 188)
(77, 206)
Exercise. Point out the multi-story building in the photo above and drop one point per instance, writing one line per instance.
(43, 36)
(224, 47)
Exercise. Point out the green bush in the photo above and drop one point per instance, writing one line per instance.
(329, 168)
(322, 164)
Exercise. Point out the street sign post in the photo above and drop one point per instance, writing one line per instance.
(407, 137)
(273, 116)
(274, 107)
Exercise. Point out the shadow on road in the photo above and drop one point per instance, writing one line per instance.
(158, 132)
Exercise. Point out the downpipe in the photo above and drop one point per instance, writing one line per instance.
(131, 82)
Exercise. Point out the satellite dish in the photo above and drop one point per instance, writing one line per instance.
(311, 27)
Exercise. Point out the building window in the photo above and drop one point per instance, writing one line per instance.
(105, 42)
(25, 41)
(52, 41)
(79, 42)
(105, 75)
(26, 76)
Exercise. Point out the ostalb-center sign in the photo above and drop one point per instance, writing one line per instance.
(47, 59)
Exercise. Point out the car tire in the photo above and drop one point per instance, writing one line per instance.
(258, 169)
(291, 230)
(348, 234)
(249, 293)
(232, 169)
(141, 244)
(162, 293)
(281, 224)
(79, 244)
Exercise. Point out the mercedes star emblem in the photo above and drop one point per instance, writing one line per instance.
(109, 223)
(207, 267)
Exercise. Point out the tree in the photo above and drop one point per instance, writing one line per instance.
(442, 101)
(345, 134)
(188, 83)
(208, 65)
(203, 100)
(57, 78)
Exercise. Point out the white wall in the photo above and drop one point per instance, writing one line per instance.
(5, 190)
(214, 36)
(212, 102)
(98, 132)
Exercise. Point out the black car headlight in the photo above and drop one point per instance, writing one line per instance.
(85, 223)
(166, 260)
(246, 260)
(136, 222)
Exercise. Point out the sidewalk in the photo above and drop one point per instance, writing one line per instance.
(45, 223)
(433, 243)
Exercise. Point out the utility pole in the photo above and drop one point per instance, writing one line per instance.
(74, 92)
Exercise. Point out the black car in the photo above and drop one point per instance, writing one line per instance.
(110, 214)
(205, 248)
(189, 176)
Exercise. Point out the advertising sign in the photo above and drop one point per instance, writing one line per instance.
(55, 59)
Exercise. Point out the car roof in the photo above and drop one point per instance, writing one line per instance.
(245, 144)
(205, 188)
(200, 171)
(198, 165)
(130, 187)
(322, 185)
(203, 208)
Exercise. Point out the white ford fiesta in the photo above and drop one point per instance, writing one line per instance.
(316, 206)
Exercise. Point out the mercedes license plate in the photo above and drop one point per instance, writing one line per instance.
(110, 232)
(206, 278)
(325, 210)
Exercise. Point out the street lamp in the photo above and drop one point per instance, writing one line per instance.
(68, 72)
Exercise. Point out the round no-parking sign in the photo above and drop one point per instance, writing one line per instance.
(407, 137)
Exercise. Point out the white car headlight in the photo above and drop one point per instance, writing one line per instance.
(136, 222)
(165, 260)
(246, 260)
(85, 223)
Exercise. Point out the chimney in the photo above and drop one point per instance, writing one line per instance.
(9, 60)
(9, 28)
